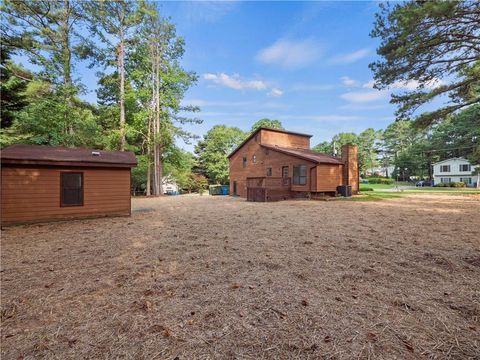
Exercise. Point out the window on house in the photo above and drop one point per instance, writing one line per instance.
(467, 180)
(244, 161)
(445, 180)
(445, 168)
(300, 175)
(269, 171)
(285, 171)
(71, 189)
(254, 158)
(465, 167)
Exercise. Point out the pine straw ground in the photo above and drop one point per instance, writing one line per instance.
(221, 278)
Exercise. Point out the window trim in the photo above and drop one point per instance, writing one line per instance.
(81, 173)
(300, 176)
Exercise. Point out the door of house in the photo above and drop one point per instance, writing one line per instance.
(235, 188)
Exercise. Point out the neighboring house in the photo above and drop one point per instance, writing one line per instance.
(169, 185)
(273, 164)
(454, 170)
(44, 183)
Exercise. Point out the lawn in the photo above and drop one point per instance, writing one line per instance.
(190, 277)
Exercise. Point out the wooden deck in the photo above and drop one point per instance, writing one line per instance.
(268, 188)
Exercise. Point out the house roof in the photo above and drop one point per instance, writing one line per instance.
(50, 155)
(454, 158)
(265, 128)
(305, 154)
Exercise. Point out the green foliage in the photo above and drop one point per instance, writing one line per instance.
(13, 83)
(324, 147)
(458, 184)
(380, 180)
(269, 123)
(365, 188)
(426, 42)
(213, 149)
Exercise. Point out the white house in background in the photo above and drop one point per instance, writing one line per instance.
(454, 170)
(169, 185)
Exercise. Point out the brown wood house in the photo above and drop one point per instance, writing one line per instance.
(44, 183)
(274, 164)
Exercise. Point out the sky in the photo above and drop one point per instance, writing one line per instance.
(303, 63)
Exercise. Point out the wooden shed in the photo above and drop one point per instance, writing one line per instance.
(44, 183)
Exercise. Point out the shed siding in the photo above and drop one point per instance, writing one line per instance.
(33, 194)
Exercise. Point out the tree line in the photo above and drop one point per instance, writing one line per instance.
(134, 54)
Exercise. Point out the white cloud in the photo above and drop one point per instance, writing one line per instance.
(347, 81)
(290, 54)
(350, 57)
(275, 92)
(235, 82)
(363, 96)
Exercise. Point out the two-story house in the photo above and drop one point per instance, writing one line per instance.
(274, 164)
(454, 170)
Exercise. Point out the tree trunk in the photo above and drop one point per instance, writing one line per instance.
(149, 157)
(67, 63)
(121, 73)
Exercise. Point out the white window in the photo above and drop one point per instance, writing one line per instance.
(444, 168)
(465, 167)
(445, 180)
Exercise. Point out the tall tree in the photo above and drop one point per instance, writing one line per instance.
(213, 149)
(270, 123)
(160, 83)
(45, 31)
(435, 44)
(114, 23)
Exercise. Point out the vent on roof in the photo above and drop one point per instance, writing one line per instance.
(95, 153)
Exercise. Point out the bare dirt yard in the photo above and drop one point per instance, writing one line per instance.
(220, 278)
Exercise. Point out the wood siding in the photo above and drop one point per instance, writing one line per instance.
(31, 194)
(328, 177)
(283, 139)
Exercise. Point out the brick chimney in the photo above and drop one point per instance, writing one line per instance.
(350, 166)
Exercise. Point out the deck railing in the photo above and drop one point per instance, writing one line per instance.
(269, 182)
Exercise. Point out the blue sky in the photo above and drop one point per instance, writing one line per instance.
(303, 63)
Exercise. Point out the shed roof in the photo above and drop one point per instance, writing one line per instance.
(50, 155)
(265, 128)
(306, 154)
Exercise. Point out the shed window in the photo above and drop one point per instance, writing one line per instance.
(244, 162)
(269, 171)
(465, 167)
(300, 175)
(254, 159)
(71, 189)
(445, 168)
(285, 171)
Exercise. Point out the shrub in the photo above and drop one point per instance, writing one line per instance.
(457, 184)
(380, 180)
(365, 188)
